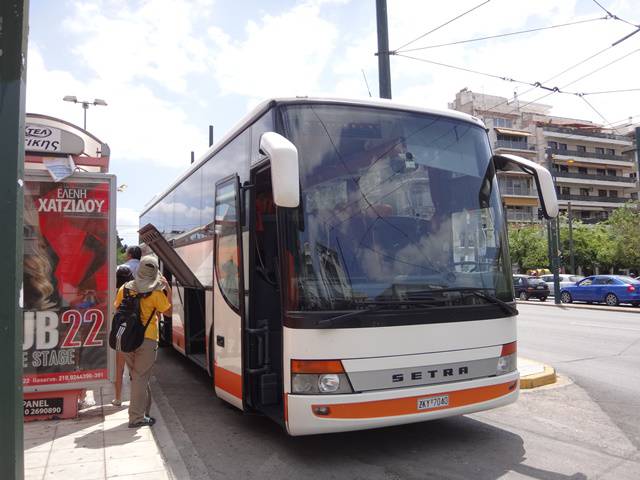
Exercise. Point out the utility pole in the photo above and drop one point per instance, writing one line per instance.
(14, 17)
(384, 69)
(553, 238)
(571, 255)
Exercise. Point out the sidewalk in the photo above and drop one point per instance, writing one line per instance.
(584, 306)
(98, 445)
(535, 374)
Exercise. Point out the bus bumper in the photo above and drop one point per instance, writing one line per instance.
(313, 414)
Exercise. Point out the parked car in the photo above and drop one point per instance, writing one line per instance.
(526, 287)
(609, 289)
(566, 280)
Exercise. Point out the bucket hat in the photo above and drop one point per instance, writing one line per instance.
(147, 277)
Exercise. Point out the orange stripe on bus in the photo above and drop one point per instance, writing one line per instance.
(228, 381)
(286, 407)
(409, 405)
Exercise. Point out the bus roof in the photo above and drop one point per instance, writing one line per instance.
(264, 106)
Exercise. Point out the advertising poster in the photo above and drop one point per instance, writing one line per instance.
(66, 283)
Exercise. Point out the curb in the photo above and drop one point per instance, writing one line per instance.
(169, 433)
(547, 377)
(569, 306)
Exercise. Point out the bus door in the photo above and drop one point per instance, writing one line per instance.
(228, 293)
(263, 335)
(187, 323)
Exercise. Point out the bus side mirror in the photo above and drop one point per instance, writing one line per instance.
(285, 170)
(542, 177)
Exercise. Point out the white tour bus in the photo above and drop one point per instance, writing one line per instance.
(341, 265)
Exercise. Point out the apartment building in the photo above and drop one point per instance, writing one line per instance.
(593, 173)
(593, 168)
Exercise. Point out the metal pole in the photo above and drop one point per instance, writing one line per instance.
(14, 16)
(85, 107)
(571, 255)
(553, 238)
(637, 149)
(384, 69)
(210, 135)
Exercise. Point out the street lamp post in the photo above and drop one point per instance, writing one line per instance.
(571, 255)
(85, 105)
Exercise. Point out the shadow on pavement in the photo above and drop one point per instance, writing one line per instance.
(235, 445)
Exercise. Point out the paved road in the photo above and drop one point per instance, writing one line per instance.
(569, 432)
(598, 349)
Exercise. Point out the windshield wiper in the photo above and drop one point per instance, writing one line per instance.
(478, 292)
(374, 306)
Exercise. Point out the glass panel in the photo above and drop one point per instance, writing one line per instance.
(166, 210)
(264, 124)
(395, 204)
(231, 159)
(227, 255)
(187, 207)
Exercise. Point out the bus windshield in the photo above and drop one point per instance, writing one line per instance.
(395, 207)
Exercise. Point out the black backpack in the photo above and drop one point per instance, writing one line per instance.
(127, 333)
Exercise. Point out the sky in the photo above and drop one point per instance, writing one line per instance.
(170, 68)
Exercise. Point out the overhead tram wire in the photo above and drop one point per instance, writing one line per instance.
(615, 17)
(590, 57)
(490, 37)
(614, 44)
(594, 109)
(442, 25)
(623, 120)
(464, 69)
(535, 85)
(559, 90)
(624, 90)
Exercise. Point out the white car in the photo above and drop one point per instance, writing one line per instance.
(565, 280)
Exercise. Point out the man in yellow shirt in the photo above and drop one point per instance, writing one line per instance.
(140, 362)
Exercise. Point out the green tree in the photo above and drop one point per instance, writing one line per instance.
(624, 225)
(121, 249)
(528, 246)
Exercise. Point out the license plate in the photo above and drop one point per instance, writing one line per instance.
(540, 287)
(433, 402)
(42, 406)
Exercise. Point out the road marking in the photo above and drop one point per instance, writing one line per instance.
(608, 327)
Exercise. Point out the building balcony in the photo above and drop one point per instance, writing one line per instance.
(521, 217)
(599, 156)
(604, 178)
(581, 133)
(595, 198)
(514, 145)
(518, 191)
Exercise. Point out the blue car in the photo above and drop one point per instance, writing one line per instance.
(609, 289)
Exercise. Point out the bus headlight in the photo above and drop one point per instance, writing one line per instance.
(312, 377)
(329, 383)
(303, 383)
(313, 383)
(508, 361)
